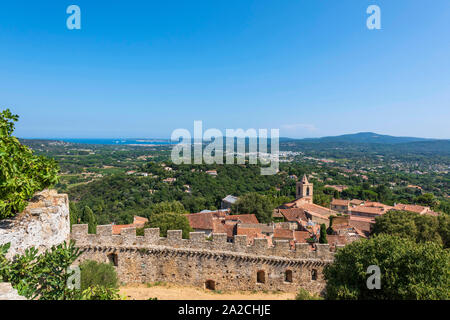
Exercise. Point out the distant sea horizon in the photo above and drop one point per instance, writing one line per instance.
(108, 141)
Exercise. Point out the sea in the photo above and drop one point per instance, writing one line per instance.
(120, 141)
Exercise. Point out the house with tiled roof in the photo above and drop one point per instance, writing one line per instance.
(138, 222)
(242, 218)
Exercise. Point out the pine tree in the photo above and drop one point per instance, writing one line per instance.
(323, 233)
(89, 218)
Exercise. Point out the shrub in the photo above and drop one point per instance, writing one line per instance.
(170, 221)
(409, 270)
(303, 294)
(98, 274)
(21, 172)
(41, 276)
(45, 276)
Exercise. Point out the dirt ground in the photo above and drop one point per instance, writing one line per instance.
(164, 291)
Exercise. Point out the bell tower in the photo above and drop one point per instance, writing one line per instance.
(304, 190)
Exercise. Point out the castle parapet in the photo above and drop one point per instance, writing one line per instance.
(197, 240)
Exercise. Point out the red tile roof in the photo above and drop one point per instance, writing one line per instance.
(293, 214)
(368, 210)
(283, 234)
(244, 218)
(301, 236)
(202, 221)
(411, 208)
(116, 228)
(339, 202)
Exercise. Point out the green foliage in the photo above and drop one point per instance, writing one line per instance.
(255, 203)
(96, 293)
(41, 276)
(323, 233)
(45, 276)
(419, 228)
(409, 270)
(22, 173)
(168, 206)
(88, 217)
(303, 294)
(96, 274)
(170, 221)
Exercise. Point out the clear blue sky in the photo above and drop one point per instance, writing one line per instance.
(145, 68)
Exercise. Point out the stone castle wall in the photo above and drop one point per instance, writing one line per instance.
(45, 222)
(196, 261)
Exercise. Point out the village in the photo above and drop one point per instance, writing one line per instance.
(299, 221)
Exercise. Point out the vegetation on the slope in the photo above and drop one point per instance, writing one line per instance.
(409, 270)
(21, 172)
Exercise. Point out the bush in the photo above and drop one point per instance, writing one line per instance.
(419, 228)
(170, 221)
(303, 294)
(45, 276)
(409, 270)
(21, 172)
(41, 276)
(98, 274)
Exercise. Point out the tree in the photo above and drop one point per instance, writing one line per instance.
(323, 233)
(409, 270)
(167, 206)
(89, 218)
(419, 228)
(170, 221)
(255, 203)
(45, 276)
(21, 172)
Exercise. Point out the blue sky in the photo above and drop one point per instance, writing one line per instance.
(145, 68)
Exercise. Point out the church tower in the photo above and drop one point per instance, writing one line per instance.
(304, 190)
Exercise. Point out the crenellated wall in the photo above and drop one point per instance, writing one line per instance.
(231, 266)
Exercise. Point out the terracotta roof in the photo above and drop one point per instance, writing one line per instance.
(251, 233)
(368, 210)
(283, 233)
(293, 214)
(339, 202)
(336, 240)
(265, 228)
(277, 214)
(301, 236)
(116, 228)
(219, 226)
(202, 221)
(244, 218)
(316, 210)
(356, 202)
(411, 208)
(139, 222)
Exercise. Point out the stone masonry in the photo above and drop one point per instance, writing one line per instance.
(212, 264)
(44, 223)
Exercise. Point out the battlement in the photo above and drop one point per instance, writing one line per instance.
(198, 242)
